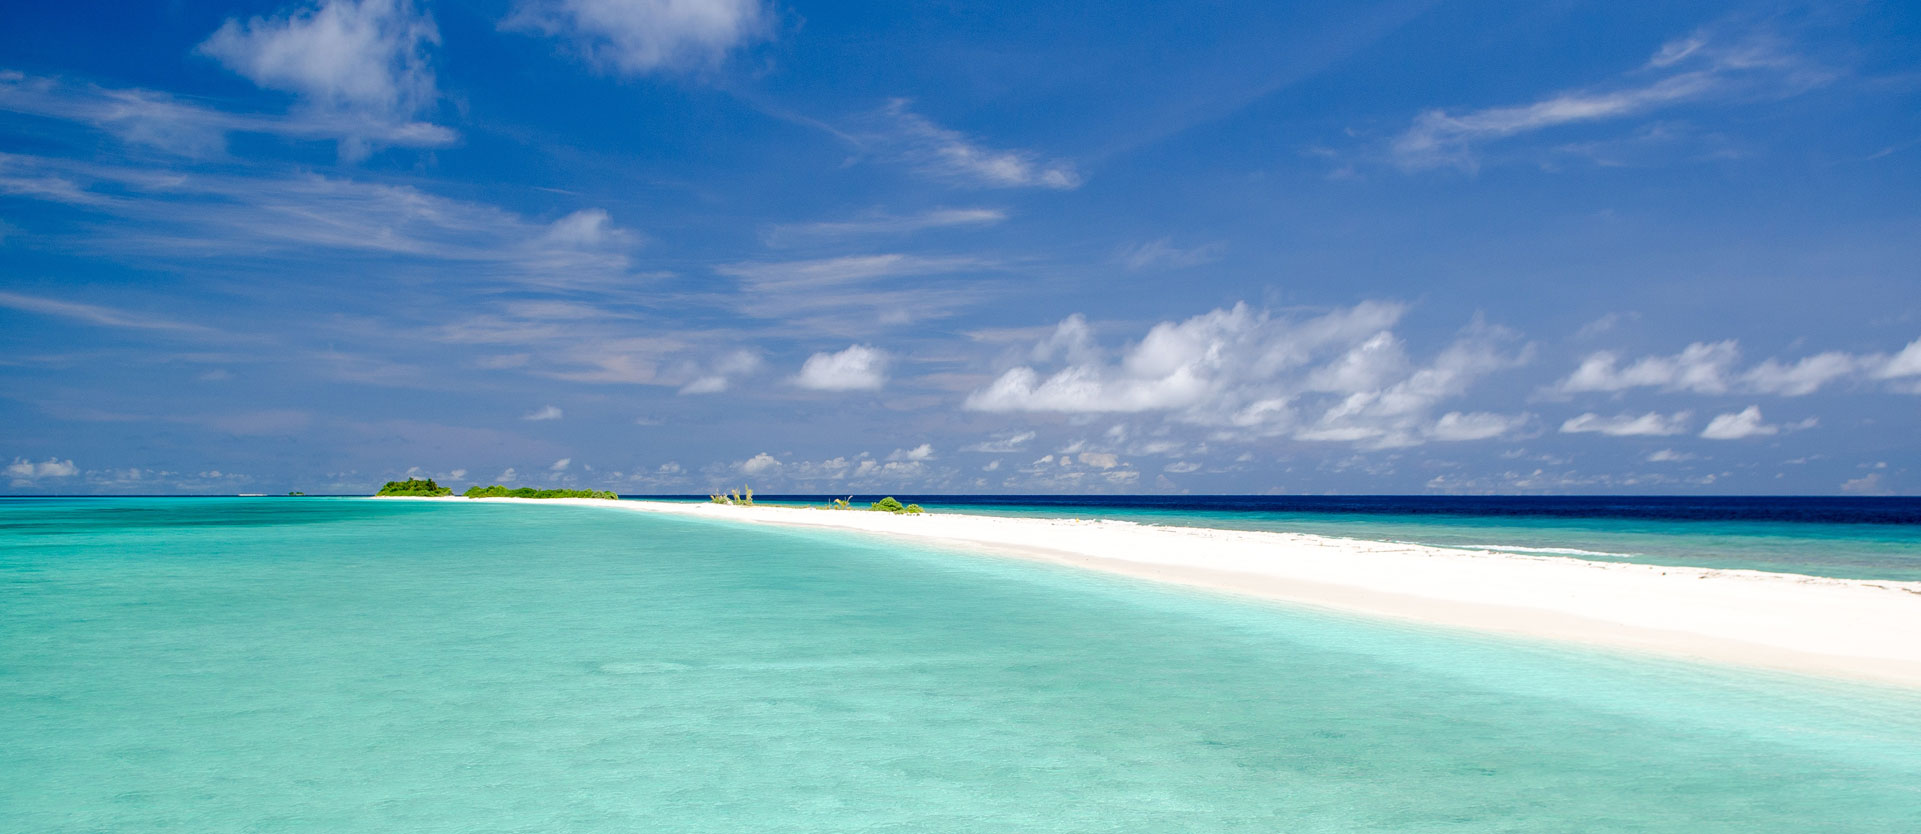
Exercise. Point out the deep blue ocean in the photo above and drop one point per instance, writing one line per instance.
(325, 665)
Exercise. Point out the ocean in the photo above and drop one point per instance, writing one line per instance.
(335, 664)
(1845, 537)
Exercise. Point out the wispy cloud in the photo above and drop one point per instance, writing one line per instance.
(544, 413)
(636, 37)
(948, 154)
(855, 294)
(186, 213)
(98, 315)
(1162, 253)
(791, 234)
(1711, 65)
(165, 122)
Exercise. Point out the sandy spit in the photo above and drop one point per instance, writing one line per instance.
(1867, 630)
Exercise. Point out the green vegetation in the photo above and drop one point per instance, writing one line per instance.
(893, 505)
(416, 487)
(743, 496)
(297, 493)
(498, 491)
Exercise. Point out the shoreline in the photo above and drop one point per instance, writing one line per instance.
(1857, 629)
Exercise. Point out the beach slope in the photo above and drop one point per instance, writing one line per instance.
(1858, 629)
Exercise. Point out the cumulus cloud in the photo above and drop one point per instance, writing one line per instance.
(637, 37)
(924, 451)
(1669, 456)
(950, 155)
(1713, 368)
(1651, 424)
(545, 412)
(357, 61)
(858, 368)
(1251, 372)
(1181, 467)
(23, 472)
(1869, 484)
(561, 465)
(760, 464)
(1747, 423)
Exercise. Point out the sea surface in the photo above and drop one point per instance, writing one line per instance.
(346, 665)
(1850, 538)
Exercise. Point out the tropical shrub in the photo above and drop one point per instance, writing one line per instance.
(415, 487)
(498, 491)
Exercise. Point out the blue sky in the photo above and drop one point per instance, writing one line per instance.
(1042, 247)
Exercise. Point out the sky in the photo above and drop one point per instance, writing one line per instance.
(674, 246)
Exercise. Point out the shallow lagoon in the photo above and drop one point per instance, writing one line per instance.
(338, 664)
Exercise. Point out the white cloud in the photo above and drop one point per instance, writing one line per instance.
(97, 315)
(302, 217)
(1907, 363)
(950, 155)
(720, 372)
(546, 412)
(760, 464)
(1456, 426)
(561, 465)
(1700, 367)
(668, 468)
(858, 368)
(1252, 373)
(1163, 253)
(1869, 484)
(1651, 424)
(1669, 456)
(881, 224)
(1711, 368)
(361, 60)
(1181, 467)
(852, 294)
(1706, 66)
(23, 472)
(636, 37)
(1099, 460)
(924, 451)
(1743, 424)
(1001, 445)
(1801, 378)
(507, 476)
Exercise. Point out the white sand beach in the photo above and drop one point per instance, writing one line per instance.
(1868, 630)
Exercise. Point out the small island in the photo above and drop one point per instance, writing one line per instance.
(426, 488)
(415, 488)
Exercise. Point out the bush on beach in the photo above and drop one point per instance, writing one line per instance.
(415, 487)
(498, 491)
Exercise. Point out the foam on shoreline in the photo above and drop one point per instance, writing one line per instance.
(1867, 630)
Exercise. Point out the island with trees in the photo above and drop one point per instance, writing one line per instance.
(426, 488)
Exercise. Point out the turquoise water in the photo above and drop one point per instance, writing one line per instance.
(1848, 551)
(329, 665)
